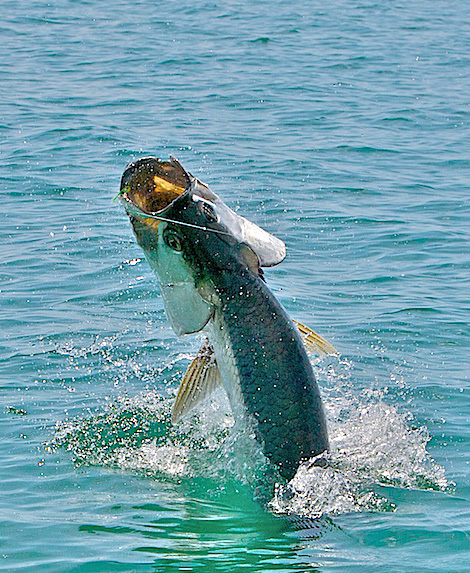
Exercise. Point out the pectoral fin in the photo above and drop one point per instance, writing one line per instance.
(201, 379)
(314, 342)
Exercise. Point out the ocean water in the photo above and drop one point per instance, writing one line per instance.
(341, 127)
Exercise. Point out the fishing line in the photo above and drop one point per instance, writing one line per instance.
(189, 225)
(136, 211)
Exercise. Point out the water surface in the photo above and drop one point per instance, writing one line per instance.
(343, 129)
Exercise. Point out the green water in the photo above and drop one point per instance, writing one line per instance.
(341, 128)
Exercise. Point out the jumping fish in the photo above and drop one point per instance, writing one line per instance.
(209, 261)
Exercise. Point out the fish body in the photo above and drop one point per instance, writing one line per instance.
(265, 368)
(207, 260)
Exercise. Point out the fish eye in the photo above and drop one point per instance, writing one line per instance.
(172, 240)
(209, 212)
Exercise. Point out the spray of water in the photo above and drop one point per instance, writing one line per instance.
(372, 444)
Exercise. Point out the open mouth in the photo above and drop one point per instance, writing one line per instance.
(151, 185)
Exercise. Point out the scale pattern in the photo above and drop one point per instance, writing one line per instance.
(275, 375)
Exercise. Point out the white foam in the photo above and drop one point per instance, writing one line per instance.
(372, 443)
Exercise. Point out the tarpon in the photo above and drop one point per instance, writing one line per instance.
(208, 262)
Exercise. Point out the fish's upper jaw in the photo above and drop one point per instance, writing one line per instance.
(151, 185)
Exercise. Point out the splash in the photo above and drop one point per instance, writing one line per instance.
(373, 447)
(137, 434)
(372, 444)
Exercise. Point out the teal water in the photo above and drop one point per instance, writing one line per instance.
(344, 129)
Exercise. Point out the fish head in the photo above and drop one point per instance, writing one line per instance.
(188, 235)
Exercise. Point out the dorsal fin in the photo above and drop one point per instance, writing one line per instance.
(201, 379)
(314, 342)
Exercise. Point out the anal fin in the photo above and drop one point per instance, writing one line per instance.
(314, 342)
(199, 381)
